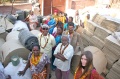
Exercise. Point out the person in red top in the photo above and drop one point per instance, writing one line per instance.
(85, 69)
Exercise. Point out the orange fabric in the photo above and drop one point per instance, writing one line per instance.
(41, 75)
(35, 60)
(94, 75)
(77, 73)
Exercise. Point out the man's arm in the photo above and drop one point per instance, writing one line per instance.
(60, 56)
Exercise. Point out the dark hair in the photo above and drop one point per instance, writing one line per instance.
(70, 24)
(89, 57)
(60, 12)
(36, 44)
(30, 11)
(65, 14)
(71, 18)
(59, 23)
(60, 27)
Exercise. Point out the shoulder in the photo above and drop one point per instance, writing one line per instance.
(96, 75)
(65, 32)
(59, 44)
(76, 33)
(39, 34)
(70, 46)
(51, 37)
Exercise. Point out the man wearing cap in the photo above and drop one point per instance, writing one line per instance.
(46, 41)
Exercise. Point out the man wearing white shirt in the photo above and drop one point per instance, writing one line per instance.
(63, 54)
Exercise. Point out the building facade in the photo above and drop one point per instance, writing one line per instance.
(48, 6)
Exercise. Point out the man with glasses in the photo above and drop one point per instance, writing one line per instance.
(46, 42)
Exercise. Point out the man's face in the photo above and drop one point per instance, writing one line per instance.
(55, 13)
(31, 12)
(45, 30)
(64, 40)
(70, 20)
(71, 28)
(36, 51)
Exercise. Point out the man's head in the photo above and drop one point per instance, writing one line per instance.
(77, 12)
(71, 26)
(55, 12)
(48, 17)
(45, 29)
(70, 19)
(65, 39)
(31, 12)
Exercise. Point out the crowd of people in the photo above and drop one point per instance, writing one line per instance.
(58, 44)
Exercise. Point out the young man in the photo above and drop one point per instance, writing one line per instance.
(76, 41)
(70, 19)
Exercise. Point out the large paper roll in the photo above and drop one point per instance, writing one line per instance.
(35, 32)
(12, 35)
(13, 47)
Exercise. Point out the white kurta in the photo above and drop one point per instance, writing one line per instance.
(68, 53)
(48, 48)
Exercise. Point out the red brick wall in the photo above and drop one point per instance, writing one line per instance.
(59, 5)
